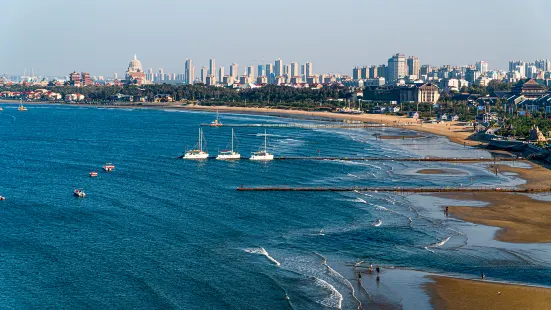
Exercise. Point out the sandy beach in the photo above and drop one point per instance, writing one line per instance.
(451, 293)
(522, 218)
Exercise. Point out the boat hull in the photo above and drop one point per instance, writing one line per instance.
(228, 156)
(262, 157)
(196, 156)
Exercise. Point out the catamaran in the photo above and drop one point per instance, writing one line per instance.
(263, 154)
(231, 154)
(198, 153)
(21, 106)
(216, 122)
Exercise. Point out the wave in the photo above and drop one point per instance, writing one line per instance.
(335, 299)
(379, 223)
(262, 251)
(340, 277)
(360, 200)
(352, 175)
(441, 243)
(427, 248)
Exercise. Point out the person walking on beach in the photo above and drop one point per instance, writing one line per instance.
(483, 276)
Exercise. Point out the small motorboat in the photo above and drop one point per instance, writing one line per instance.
(2, 198)
(79, 193)
(1, 109)
(108, 167)
(93, 174)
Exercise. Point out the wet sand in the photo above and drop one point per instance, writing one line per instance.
(398, 137)
(451, 293)
(441, 171)
(522, 218)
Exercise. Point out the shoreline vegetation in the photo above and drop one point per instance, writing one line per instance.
(527, 222)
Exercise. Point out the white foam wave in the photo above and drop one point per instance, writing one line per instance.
(379, 223)
(262, 251)
(441, 243)
(335, 299)
(427, 248)
(360, 200)
(352, 175)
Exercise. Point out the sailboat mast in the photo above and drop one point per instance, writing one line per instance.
(200, 141)
(265, 141)
(232, 140)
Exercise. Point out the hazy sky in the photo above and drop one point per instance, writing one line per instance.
(56, 37)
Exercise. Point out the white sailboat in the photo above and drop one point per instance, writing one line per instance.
(197, 153)
(263, 154)
(21, 106)
(231, 154)
(216, 122)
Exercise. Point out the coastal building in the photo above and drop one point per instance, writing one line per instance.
(309, 70)
(270, 73)
(189, 72)
(261, 80)
(364, 73)
(278, 67)
(482, 66)
(135, 73)
(233, 71)
(74, 79)
(381, 71)
(356, 73)
(397, 68)
(294, 71)
(204, 74)
(86, 79)
(260, 71)
(210, 80)
(413, 66)
(250, 72)
(221, 75)
(212, 67)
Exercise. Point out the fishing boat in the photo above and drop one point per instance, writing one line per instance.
(93, 174)
(108, 167)
(229, 154)
(2, 197)
(79, 193)
(198, 153)
(216, 122)
(263, 154)
(21, 107)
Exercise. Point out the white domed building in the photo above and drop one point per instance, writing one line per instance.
(135, 73)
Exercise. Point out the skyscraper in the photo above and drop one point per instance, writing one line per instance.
(250, 73)
(204, 73)
(397, 68)
(189, 74)
(270, 73)
(482, 66)
(212, 66)
(233, 71)
(309, 70)
(294, 69)
(373, 72)
(278, 67)
(221, 75)
(260, 70)
(287, 70)
(413, 66)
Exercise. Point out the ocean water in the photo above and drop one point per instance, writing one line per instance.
(162, 232)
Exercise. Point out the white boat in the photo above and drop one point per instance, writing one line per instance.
(79, 193)
(197, 153)
(21, 106)
(229, 154)
(216, 122)
(263, 154)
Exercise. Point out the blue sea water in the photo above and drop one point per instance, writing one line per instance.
(162, 232)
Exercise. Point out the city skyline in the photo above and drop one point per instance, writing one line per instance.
(333, 46)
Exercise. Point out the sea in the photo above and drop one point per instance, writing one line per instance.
(160, 232)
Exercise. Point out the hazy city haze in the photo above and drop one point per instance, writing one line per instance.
(101, 37)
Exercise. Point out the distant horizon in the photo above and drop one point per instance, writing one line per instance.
(88, 37)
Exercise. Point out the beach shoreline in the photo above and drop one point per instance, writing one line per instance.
(457, 132)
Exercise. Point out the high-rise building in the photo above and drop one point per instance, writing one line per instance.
(189, 74)
(294, 69)
(212, 67)
(413, 65)
(204, 74)
(270, 73)
(309, 70)
(250, 73)
(233, 71)
(472, 75)
(397, 68)
(543, 65)
(287, 70)
(115, 76)
(364, 73)
(356, 73)
(373, 72)
(221, 75)
(278, 67)
(481, 66)
(425, 70)
(381, 71)
(260, 70)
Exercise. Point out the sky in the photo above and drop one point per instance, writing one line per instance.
(56, 37)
